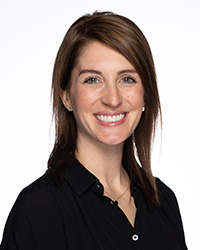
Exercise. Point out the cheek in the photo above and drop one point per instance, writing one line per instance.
(135, 96)
(135, 100)
(82, 100)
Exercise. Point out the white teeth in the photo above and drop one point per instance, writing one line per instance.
(109, 118)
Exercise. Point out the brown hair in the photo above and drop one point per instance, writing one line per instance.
(125, 37)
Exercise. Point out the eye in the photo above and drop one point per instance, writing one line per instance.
(91, 80)
(128, 79)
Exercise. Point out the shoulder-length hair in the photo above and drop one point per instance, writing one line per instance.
(125, 37)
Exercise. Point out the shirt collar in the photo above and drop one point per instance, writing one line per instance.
(80, 179)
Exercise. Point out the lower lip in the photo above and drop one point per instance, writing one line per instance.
(111, 124)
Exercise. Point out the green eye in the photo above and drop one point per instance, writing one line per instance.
(128, 80)
(91, 80)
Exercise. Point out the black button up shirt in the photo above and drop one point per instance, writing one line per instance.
(73, 214)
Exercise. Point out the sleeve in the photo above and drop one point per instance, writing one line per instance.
(170, 205)
(35, 222)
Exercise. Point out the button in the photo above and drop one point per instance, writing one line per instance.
(135, 237)
(98, 186)
(111, 202)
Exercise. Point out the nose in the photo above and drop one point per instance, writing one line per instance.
(111, 96)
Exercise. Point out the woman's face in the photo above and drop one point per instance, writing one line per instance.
(106, 95)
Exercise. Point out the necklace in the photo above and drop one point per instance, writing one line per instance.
(117, 199)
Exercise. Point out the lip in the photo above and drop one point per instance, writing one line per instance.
(112, 114)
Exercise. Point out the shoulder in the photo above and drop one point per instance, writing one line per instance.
(168, 201)
(35, 214)
(169, 206)
(40, 198)
(164, 191)
(36, 217)
(166, 195)
(35, 190)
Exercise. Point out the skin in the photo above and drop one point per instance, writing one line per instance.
(105, 87)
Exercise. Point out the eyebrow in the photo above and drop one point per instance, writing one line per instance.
(90, 71)
(127, 71)
(100, 73)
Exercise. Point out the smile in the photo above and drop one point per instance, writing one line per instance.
(109, 118)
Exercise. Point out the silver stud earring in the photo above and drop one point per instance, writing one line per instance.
(143, 109)
(69, 108)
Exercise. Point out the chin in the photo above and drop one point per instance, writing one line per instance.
(112, 140)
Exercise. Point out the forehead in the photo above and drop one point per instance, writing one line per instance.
(99, 54)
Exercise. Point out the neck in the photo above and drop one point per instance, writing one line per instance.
(104, 161)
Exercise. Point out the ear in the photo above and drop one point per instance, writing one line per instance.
(64, 95)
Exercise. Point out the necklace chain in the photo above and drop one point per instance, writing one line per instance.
(117, 199)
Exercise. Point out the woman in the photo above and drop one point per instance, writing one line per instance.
(99, 192)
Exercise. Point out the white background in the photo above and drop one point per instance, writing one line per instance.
(30, 34)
